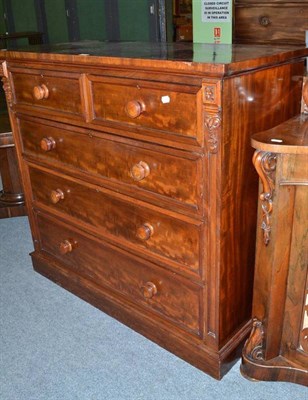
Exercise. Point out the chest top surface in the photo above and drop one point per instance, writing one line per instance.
(290, 137)
(182, 57)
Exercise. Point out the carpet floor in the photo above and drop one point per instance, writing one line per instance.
(55, 346)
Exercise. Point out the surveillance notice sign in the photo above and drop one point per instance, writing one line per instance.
(216, 11)
(212, 21)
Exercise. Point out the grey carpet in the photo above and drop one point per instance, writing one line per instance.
(55, 346)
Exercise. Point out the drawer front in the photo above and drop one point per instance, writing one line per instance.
(54, 92)
(129, 224)
(281, 23)
(156, 106)
(164, 293)
(151, 171)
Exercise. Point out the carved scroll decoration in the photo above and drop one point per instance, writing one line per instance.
(212, 124)
(305, 96)
(209, 94)
(8, 91)
(211, 97)
(6, 85)
(265, 164)
(254, 346)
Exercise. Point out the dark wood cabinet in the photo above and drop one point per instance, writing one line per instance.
(274, 21)
(278, 346)
(136, 161)
(12, 203)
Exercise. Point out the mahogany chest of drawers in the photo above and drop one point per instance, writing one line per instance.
(136, 162)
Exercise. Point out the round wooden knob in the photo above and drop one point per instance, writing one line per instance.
(134, 108)
(66, 246)
(140, 171)
(149, 290)
(264, 21)
(48, 144)
(40, 92)
(56, 196)
(145, 231)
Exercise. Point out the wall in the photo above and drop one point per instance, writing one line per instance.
(70, 20)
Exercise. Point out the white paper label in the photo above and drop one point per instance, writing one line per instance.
(216, 11)
(165, 99)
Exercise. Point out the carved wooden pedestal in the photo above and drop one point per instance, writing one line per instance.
(11, 196)
(278, 345)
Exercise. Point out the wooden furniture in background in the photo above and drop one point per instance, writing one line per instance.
(182, 20)
(12, 202)
(273, 21)
(33, 38)
(278, 346)
(138, 179)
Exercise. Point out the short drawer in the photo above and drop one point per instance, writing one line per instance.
(271, 23)
(133, 225)
(129, 165)
(53, 92)
(164, 293)
(159, 107)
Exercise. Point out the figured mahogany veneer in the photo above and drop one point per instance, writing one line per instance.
(137, 165)
(152, 169)
(278, 346)
(121, 219)
(174, 298)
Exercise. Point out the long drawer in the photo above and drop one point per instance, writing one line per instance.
(160, 291)
(134, 225)
(130, 165)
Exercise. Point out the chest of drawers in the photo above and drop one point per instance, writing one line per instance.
(136, 162)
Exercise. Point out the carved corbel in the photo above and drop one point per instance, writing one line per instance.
(265, 164)
(211, 96)
(254, 346)
(6, 85)
(212, 126)
(305, 96)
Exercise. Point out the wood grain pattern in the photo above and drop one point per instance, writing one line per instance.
(165, 107)
(118, 218)
(54, 92)
(271, 22)
(170, 175)
(239, 180)
(176, 299)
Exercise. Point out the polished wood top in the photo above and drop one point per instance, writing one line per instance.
(290, 137)
(187, 57)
